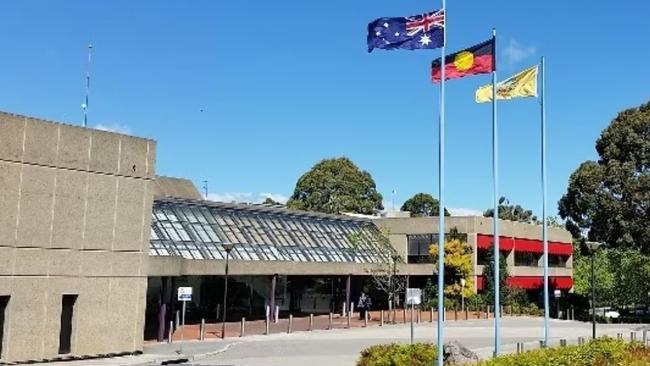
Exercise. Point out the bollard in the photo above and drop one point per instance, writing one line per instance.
(381, 318)
(542, 344)
(351, 309)
(581, 341)
(501, 310)
(419, 318)
(520, 347)
(311, 322)
(276, 314)
(202, 330)
(267, 325)
(632, 336)
(178, 319)
(455, 314)
(466, 314)
(365, 319)
(404, 313)
(562, 342)
(242, 327)
(619, 336)
(645, 336)
(343, 309)
(330, 326)
(348, 319)
(431, 316)
(170, 334)
(290, 323)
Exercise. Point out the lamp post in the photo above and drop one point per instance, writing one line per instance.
(228, 248)
(462, 294)
(593, 247)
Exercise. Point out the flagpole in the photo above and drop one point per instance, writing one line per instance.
(495, 218)
(544, 223)
(441, 197)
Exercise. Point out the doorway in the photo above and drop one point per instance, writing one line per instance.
(4, 302)
(67, 314)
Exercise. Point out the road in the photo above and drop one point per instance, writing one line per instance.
(342, 347)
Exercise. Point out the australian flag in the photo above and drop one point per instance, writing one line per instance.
(418, 32)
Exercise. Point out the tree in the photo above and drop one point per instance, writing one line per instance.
(385, 274)
(488, 273)
(335, 186)
(423, 204)
(458, 264)
(270, 201)
(512, 212)
(611, 197)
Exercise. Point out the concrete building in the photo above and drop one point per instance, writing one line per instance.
(93, 246)
(520, 243)
(75, 212)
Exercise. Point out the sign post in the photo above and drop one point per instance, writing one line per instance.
(413, 297)
(184, 295)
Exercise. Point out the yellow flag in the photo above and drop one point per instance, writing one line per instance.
(523, 84)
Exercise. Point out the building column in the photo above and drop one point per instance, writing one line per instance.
(164, 300)
(348, 283)
(274, 280)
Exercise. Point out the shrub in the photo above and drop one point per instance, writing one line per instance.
(395, 354)
(601, 352)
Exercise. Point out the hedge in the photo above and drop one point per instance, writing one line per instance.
(600, 352)
(395, 354)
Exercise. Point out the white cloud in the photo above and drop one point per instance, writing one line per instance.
(247, 197)
(516, 52)
(464, 212)
(114, 127)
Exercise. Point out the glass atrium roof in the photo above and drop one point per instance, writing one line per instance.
(197, 230)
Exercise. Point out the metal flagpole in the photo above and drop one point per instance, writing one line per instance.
(85, 105)
(495, 218)
(441, 196)
(544, 223)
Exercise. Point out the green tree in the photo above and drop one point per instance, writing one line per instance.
(334, 186)
(423, 204)
(488, 273)
(512, 212)
(611, 197)
(270, 201)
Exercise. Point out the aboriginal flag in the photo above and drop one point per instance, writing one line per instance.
(479, 59)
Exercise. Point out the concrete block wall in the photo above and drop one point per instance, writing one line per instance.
(75, 211)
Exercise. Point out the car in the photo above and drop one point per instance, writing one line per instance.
(612, 314)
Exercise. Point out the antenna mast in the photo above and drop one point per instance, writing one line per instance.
(84, 106)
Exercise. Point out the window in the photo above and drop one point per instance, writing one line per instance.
(483, 257)
(526, 259)
(418, 247)
(4, 301)
(557, 260)
(67, 314)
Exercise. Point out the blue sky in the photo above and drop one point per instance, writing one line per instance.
(250, 94)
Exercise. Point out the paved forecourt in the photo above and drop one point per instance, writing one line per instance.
(342, 347)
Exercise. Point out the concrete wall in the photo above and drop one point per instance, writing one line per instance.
(75, 211)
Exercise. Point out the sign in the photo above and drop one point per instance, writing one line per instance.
(184, 294)
(557, 293)
(413, 296)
